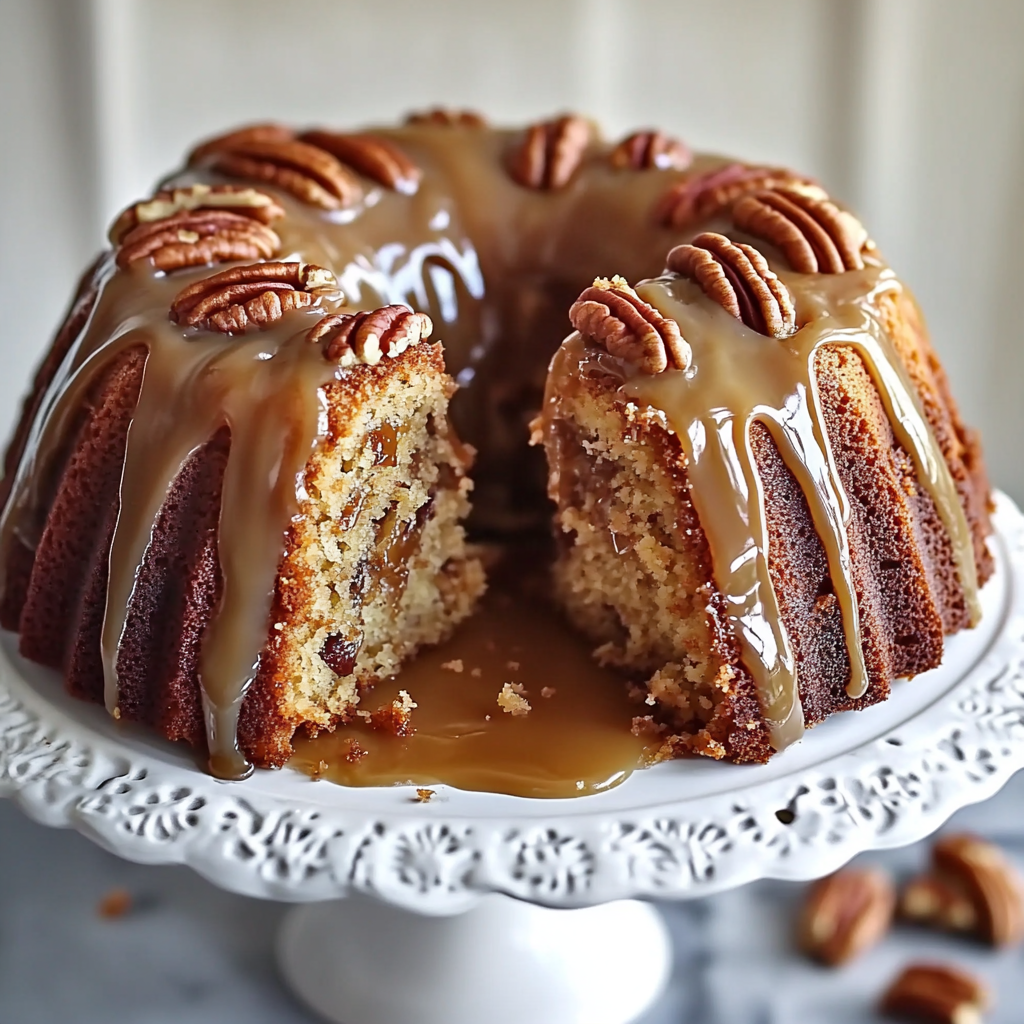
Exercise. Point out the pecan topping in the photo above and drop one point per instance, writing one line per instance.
(445, 117)
(550, 153)
(248, 202)
(240, 136)
(813, 234)
(645, 150)
(253, 296)
(981, 871)
(273, 155)
(845, 914)
(705, 195)
(368, 337)
(613, 315)
(936, 993)
(193, 238)
(737, 277)
(371, 155)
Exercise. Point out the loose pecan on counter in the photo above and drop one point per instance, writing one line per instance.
(845, 914)
(376, 157)
(972, 889)
(650, 149)
(738, 278)
(550, 153)
(367, 337)
(445, 117)
(271, 154)
(253, 296)
(815, 236)
(704, 195)
(612, 314)
(935, 994)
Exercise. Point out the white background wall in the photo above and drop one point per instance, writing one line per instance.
(910, 110)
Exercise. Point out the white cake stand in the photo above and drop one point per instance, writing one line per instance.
(428, 933)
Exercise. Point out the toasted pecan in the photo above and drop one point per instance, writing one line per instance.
(376, 157)
(264, 132)
(650, 150)
(612, 314)
(935, 902)
(704, 195)
(249, 202)
(369, 336)
(252, 296)
(196, 237)
(550, 152)
(845, 914)
(739, 279)
(935, 994)
(446, 117)
(815, 236)
(272, 154)
(988, 879)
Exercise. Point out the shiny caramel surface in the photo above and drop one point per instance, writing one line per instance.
(575, 740)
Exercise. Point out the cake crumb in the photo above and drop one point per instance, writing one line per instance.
(476, 673)
(424, 796)
(355, 752)
(115, 904)
(512, 701)
(455, 665)
(117, 714)
(512, 666)
(395, 717)
(547, 691)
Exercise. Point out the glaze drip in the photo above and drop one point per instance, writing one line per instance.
(738, 377)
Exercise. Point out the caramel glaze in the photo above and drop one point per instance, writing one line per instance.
(575, 740)
(496, 266)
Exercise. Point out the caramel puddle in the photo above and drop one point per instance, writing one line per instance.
(573, 742)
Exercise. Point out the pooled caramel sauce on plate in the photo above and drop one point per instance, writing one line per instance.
(575, 740)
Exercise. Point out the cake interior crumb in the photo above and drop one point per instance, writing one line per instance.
(512, 701)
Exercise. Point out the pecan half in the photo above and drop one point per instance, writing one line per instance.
(267, 132)
(936, 903)
(368, 337)
(613, 315)
(845, 914)
(253, 296)
(445, 117)
(738, 278)
(986, 877)
(371, 155)
(248, 202)
(703, 196)
(263, 153)
(196, 237)
(815, 236)
(651, 149)
(936, 993)
(550, 153)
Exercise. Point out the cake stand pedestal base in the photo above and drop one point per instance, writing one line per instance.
(361, 961)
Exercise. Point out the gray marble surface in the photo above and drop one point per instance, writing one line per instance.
(190, 954)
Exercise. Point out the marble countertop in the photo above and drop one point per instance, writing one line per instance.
(189, 953)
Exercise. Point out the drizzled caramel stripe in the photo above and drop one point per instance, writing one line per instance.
(741, 378)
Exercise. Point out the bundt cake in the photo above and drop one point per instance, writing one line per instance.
(234, 498)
